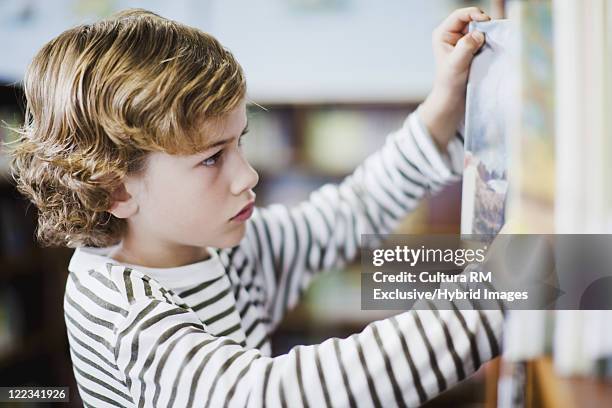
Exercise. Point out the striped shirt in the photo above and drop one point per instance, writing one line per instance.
(198, 335)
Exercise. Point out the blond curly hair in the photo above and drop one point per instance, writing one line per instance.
(100, 97)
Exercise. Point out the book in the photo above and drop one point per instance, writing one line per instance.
(532, 147)
(526, 150)
(583, 43)
(490, 99)
(581, 117)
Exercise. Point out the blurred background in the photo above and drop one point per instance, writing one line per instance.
(330, 78)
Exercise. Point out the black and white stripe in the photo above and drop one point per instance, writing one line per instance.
(137, 342)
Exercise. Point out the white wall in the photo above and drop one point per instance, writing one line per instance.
(291, 50)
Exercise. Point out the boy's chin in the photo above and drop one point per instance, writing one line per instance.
(232, 239)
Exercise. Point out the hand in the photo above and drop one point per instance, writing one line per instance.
(454, 49)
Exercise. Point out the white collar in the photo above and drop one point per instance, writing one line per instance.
(87, 258)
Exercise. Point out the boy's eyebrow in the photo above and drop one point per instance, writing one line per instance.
(222, 142)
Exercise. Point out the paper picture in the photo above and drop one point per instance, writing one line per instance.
(491, 88)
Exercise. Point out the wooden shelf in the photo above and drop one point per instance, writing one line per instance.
(548, 391)
(552, 391)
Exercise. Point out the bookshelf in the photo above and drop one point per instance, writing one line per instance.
(570, 187)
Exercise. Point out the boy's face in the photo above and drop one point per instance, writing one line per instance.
(190, 201)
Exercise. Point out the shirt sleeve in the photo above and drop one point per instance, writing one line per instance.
(288, 245)
(166, 358)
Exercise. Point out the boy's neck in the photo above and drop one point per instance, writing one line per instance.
(158, 256)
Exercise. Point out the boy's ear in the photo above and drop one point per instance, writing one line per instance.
(124, 205)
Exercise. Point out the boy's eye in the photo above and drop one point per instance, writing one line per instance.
(212, 160)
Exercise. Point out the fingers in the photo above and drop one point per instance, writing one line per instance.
(458, 20)
(450, 38)
(463, 53)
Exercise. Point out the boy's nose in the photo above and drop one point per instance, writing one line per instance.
(245, 178)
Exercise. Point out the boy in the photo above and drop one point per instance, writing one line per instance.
(131, 153)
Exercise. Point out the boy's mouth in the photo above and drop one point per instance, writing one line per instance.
(245, 213)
